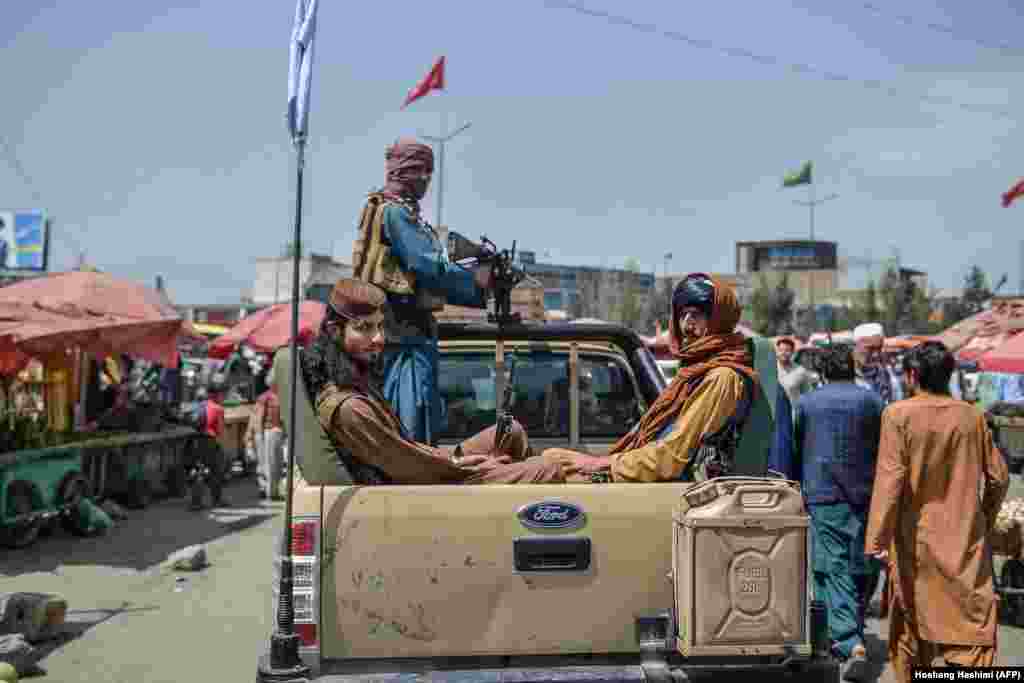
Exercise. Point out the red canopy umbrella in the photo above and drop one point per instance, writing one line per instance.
(1007, 357)
(97, 312)
(270, 329)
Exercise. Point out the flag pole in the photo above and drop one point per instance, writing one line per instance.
(282, 663)
(812, 202)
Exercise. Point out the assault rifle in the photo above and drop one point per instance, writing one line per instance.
(506, 276)
(506, 273)
(503, 417)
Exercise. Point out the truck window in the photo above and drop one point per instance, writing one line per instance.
(466, 381)
(608, 400)
(609, 403)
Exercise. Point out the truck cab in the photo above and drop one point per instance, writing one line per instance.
(549, 582)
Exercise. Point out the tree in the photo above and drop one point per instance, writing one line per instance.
(782, 306)
(868, 311)
(772, 307)
(761, 304)
(976, 292)
(907, 306)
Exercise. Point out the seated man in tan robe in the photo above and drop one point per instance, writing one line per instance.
(939, 484)
(688, 433)
(341, 369)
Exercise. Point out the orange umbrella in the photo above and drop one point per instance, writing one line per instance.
(270, 329)
(96, 312)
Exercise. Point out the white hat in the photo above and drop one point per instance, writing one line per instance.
(868, 330)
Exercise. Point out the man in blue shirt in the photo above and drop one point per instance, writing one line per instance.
(832, 454)
(401, 253)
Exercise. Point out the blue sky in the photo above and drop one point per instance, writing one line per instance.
(154, 131)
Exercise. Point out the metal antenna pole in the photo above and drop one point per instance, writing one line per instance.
(283, 663)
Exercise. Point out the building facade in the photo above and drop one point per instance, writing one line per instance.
(811, 267)
(612, 294)
(317, 275)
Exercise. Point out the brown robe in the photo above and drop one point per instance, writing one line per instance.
(939, 484)
(372, 433)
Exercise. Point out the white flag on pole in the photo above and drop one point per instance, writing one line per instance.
(300, 67)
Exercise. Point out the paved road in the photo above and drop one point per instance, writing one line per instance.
(131, 621)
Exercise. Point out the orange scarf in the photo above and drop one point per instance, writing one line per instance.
(721, 348)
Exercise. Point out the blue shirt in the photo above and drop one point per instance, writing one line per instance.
(835, 437)
(421, 253)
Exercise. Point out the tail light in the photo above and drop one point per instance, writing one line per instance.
(304, 538)
(305, 585)
(307, 635)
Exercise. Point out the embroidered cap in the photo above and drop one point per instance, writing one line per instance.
(352, 298)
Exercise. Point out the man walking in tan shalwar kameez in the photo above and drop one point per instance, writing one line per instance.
(938, 486)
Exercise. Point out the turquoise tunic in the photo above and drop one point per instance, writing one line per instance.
(411, 354)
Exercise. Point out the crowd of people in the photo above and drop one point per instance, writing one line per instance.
(900, 476)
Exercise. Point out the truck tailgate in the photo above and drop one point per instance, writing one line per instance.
(429, 571)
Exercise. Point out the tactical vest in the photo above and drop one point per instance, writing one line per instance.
(373, 260)
(362, 473)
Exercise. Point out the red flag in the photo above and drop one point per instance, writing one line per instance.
(433, 81)
(1014, 192)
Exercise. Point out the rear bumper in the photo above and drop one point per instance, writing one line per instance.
(824, 671)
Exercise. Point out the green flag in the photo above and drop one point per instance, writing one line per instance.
(801, 177)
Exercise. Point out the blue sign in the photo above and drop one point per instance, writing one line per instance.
(23, 240)
(551, 514)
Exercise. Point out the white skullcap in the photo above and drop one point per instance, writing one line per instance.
(868, 330)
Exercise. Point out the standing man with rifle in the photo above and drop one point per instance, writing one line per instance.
(397, 250)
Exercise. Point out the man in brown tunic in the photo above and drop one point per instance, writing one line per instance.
(938, 487)
(341, 369)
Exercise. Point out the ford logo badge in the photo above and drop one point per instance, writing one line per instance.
(551, 514)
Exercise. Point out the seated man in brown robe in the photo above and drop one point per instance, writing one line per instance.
(341, 369)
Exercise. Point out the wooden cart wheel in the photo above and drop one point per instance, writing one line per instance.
(1012, 576)
(176, 481)
(140, 495)
(19, 502)
(73, 488)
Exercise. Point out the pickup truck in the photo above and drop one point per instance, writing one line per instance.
(575, 582)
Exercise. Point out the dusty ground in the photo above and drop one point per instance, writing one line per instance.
(130, 620)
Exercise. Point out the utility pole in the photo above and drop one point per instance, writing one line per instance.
(440, 141)
(810, 204)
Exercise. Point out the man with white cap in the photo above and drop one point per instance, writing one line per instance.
(869, 340)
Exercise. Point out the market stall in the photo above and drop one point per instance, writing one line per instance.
(53, 467)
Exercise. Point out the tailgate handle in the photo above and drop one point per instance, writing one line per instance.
(543, 554)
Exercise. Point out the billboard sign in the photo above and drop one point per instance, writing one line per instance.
(24, 240)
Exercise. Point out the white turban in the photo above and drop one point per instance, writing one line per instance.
(868, 330)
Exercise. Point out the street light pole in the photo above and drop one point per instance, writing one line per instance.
(810, 205)
(440, 142)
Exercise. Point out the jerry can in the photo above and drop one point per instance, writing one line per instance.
(741, 568)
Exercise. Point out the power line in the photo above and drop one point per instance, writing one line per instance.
(770, 60)
(19, 169)
(909, 20)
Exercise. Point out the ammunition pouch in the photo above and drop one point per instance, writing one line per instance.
(372, 259)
